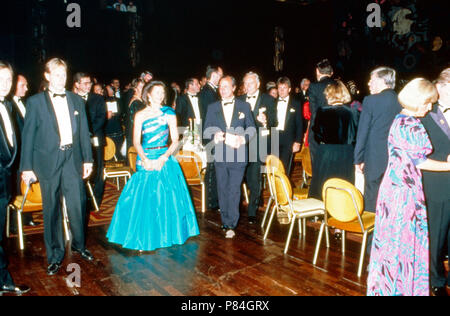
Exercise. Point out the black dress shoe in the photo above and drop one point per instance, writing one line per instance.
(439, 291)
(53, 268)
(16, 289)
(85, 254)
(225, 228)
(252, 220)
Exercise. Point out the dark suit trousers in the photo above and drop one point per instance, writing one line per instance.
(5, 277)
(286, 157)
(439, 225)
(99, 183)
(67, 183)
(253, 179)
(229, 188)
(371, 187)
(211, 187)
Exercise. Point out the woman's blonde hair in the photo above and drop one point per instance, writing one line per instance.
(416, 93)
(337, 93)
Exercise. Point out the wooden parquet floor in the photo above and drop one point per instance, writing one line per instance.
(206, 265)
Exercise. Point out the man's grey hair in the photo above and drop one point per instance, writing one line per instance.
(387, 74)
(253, 74)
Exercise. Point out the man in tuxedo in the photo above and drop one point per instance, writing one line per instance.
(230, 124)
(18, 112)
(437, 184)
(188, 107)
(56, 151)
(317, 99)
(8, 150)
(303, 95)
(207, 96)
(265, 116)
(371, 151)
(290, 124)
(96, 114)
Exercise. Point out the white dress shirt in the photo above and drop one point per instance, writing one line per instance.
(7, 123)
(61, 108)
(21, 106)
(282, 111)
(251, 99)
(446, 111)
(228, 111)
(194, 102)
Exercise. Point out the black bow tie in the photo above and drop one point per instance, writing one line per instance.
(281, 100)
(251, 97)
(61, 95)
(228, 103)
(193, 96)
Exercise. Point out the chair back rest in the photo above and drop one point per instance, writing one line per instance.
(273, 163)
(34, 193)
(306, 160)
(282, 188)
(343, 201)
(110, 149)
(191, 164)
(132, 157)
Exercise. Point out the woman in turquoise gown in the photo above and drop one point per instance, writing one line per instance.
(155, 209)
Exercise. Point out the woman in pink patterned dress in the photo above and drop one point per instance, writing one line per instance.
(399, 263)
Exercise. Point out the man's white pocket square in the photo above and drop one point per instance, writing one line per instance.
(75, 113)
(241, 116)
(292, 110)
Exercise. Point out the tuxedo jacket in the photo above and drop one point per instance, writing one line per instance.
(96, 114)
(437, 184)
(378, 113)
(242, 124)
(41, 141)
(7, 157)
(207, 96)
(185, 110)
(19, 120)
(317, 97)
(293, 127)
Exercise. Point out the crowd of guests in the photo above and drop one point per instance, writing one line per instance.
(399, 142)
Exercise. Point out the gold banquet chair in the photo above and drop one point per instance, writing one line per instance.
(274, 164)
(114, 169)
(29, 202)
(294, 209)
(192, 167)
(345, 204)
(132, 157)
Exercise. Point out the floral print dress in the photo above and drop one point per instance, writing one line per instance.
(399, 263)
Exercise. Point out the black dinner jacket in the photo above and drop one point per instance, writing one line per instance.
(185, 110)
(317, 97)
(41, 140)
(96, 114)
(293, 127)
(17, 116)
(207, 97)
(7, 157)
(267, 102)
(242, 124)
(437, 184)
(378, 113)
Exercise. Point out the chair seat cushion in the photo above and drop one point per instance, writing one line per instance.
(368, 220)
(307, 207)
(117, 171)
(28, 207)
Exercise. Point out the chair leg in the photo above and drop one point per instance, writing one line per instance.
(65, 220)
(290, 235)
(362, 254)
(327, 236)
(319, 240)
(245, 193)
(300, 227)
(203, 198)
(270, 222)
(20, 230)
(8, 219)
(267, 211)
(304, 227)
(343, 242)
